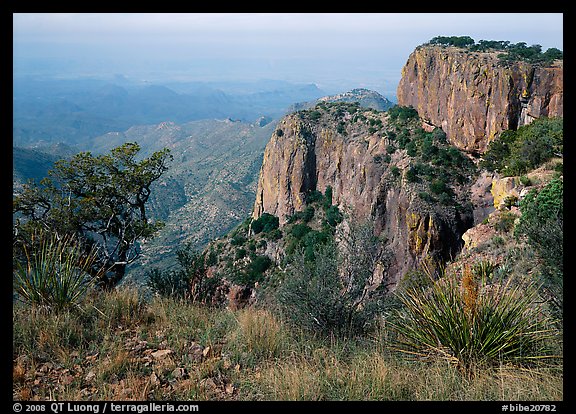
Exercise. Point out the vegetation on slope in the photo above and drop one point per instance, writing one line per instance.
(316, 328)
(120, 347)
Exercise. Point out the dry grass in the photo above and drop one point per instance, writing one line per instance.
(166, 349)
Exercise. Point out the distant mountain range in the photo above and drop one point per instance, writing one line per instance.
(74, 111)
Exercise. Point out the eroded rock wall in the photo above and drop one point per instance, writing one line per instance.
(473, 97)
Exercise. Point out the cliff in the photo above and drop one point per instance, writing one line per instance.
(354, 151)
(473, 97)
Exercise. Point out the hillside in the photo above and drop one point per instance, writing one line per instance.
(209, 187)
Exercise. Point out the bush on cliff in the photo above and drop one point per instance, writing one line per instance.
(517, 152)
(328, 293)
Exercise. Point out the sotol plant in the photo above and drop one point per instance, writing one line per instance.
(473, 322)
(56, 272)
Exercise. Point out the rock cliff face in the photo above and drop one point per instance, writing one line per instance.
(472, 97)
(338, 150)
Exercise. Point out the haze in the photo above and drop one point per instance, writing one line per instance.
(336, 51)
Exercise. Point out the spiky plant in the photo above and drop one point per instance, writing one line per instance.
(472, 322)
(55, 274)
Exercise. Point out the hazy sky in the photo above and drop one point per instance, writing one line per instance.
(329, 49)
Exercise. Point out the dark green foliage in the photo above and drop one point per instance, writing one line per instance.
(101, 200)
(254, 271)
(212, 258)
(439, 186)
(411, 149)
(458, 41)
(313, 196)
(327, 202)
(299, 230)
(498, 151)
(259, 265)
(308, 214)
(333, 216)
(411, 175)
(312, 240)
(237, 240)
(315, 115)
(517, 152)
(426, 197)
(190, 281)
(542, 223)
(532, 54)
(275, 234)
(402, 113)
(439, 135)
(487, 45)
(265, 223)
(428, 149)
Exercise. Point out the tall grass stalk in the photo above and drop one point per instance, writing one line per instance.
(56, 274)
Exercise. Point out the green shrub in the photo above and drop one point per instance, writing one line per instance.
(237, 240)
(189, 281)
(275, 234)
(299, 230)
(313, 196)
(517, 152)
(411, 176)
(438, 186)
(542, 224)
(308, 214)
(265, 223)
(314, 296)
(333, 216)
(402, 113)
(254, 272)
(56, 275)
(327, 201)
(315, 115)
(525, 180)
(425, 196)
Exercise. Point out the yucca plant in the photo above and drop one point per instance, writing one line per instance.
(55, 274)
(473, 322)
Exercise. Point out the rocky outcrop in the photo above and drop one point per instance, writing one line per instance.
(365, 97)
(312, 154)
(473, 97)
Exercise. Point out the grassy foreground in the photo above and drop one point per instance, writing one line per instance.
(119, 347)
